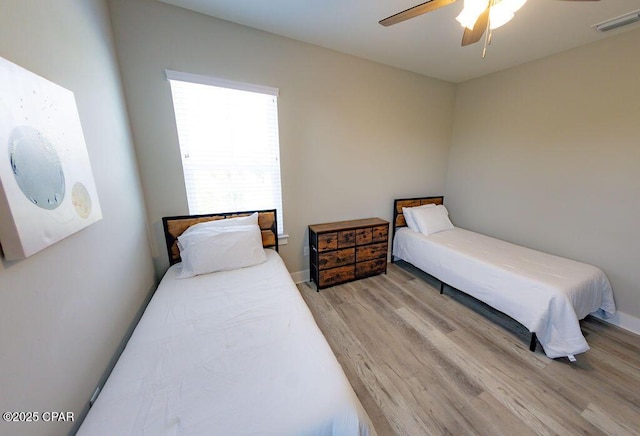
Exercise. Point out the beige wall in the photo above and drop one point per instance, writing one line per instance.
(64, 311)
(547, 155)
(353, 134)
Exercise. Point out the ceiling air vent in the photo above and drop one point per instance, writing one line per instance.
(616, 22)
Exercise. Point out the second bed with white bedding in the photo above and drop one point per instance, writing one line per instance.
(546, 293)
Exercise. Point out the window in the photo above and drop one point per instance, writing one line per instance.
(228, 135)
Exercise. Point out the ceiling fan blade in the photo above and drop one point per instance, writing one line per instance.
(471, 36)
(428, 6)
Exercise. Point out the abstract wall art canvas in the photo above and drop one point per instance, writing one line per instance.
(48, 189)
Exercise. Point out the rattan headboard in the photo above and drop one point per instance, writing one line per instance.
(174, 226)
(398, 204)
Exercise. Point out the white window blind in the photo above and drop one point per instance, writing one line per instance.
(229, 143)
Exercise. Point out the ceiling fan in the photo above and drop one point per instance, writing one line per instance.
(477, 16)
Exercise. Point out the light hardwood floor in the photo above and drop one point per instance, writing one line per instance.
(429, 364)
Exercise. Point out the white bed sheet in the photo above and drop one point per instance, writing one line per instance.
(546, 293)
(229, 353)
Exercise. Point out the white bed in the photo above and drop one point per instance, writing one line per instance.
(546, 293)
(228, 353)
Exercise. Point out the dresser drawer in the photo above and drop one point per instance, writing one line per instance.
(346, 238)
(380, 234)
(363, 236)
(333, 276)
(332, 259)
(373, 251)
(370, 268)
(327, 241)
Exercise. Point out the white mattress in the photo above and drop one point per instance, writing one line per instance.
(229, 353)
(546, 293)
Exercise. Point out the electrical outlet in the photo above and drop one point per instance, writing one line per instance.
(306, 250)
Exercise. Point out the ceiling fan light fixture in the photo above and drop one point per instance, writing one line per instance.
(500, 13)
(498, 17)
(471, 12)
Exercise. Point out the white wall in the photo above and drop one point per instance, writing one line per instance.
(64, 311)
(547, 155)
(354, 134)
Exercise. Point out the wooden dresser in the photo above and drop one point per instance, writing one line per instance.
(347, 250)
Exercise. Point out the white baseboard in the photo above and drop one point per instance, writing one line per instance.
(301, 276)
(622, 320)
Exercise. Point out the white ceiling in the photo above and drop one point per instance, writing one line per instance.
(428, 44)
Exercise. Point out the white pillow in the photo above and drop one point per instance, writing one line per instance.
(408, 216)
(432, 220)
(209, 249)
(229, 222)
(443, 209)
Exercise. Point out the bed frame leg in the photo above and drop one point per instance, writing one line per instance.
(534, 341)
(441, 288)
